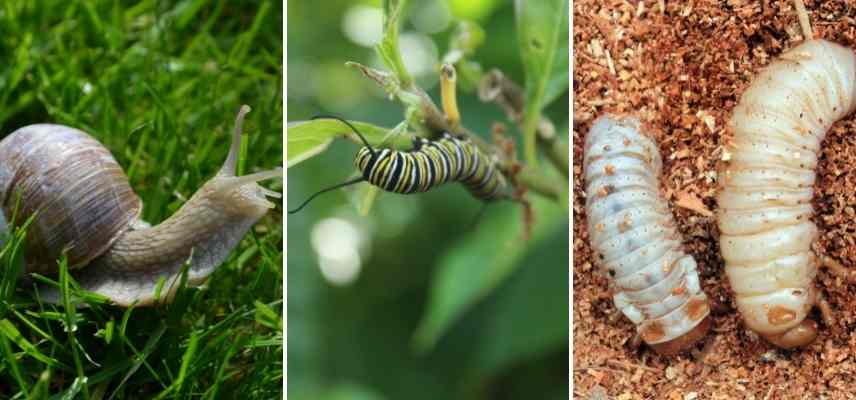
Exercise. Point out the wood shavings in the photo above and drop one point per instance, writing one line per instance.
(708, 120)
(719, 47)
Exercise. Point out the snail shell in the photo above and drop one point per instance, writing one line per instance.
(82, 204)
(82, 195)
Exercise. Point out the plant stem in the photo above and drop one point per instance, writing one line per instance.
(497, 88)
(539, 183)
(388, 48)
(401, 85)
(535, 181)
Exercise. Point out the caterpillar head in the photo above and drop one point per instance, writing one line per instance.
(798, 336)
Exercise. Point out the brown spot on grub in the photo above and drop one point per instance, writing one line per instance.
(780, 315)
(625, 224)
(609, 169)
(653, 332)
(697, 309)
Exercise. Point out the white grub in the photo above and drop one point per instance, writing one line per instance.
(765, 205)
(633, 233)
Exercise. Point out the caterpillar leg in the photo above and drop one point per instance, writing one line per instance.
(684, 341)
(835, 268)
(800, 335)
(635, 342)
(825, 309)
(623, 308)
(805, 332)
(838, 269)
(623, 304)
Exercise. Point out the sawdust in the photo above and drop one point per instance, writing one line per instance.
(681, 67)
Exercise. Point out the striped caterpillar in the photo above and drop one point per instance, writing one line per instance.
(427, 165)
(634, 235)
(765, 202)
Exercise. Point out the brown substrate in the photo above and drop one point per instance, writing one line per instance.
(682, 69)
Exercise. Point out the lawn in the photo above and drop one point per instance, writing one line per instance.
(159, 84)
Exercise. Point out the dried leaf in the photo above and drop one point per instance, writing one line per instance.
(692, 202)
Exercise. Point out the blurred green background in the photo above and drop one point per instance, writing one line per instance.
(159, 84)
(407, 302)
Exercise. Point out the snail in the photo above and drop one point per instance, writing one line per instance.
(82, 205)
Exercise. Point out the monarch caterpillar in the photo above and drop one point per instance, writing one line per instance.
(427, 165)
(634, 235)
(765, 202)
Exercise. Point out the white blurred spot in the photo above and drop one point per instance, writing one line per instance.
(87, 88)
(174, 66)
(431, 16)
(363, 25)
(335, 87)
(337, 241)
(419, 53)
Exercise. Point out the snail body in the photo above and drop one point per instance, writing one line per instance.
(635, 237)
(84, 207)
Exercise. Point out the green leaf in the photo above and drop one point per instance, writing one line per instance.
(139, 358)
(393, 12)
(8, 330)
(186, 359)
(307, 139)
(535, 296)
(467, 37)
(41, 389)
(542, 28)
(481, 262)
(266, 316)
(76, 386)
(12, 362)
(558, 83)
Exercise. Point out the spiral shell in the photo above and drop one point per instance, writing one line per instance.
(635, 239)
(82, 196)
(765, 204)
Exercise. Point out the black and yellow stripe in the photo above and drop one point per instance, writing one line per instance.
(427, 165)
(430, 164)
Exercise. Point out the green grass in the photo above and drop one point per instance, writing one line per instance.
(158, 83)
